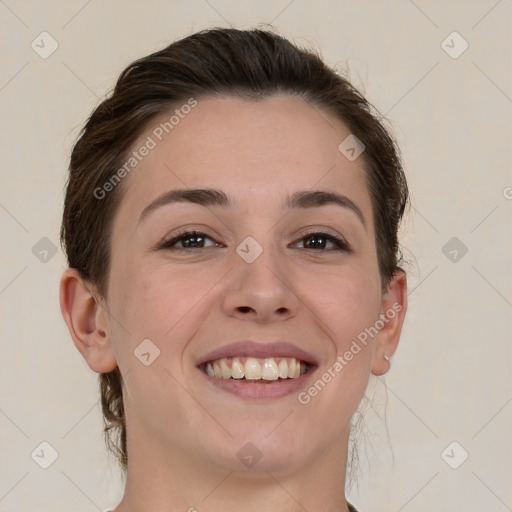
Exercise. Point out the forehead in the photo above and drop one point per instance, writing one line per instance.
(252, 150)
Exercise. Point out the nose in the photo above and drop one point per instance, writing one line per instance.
(260, 291)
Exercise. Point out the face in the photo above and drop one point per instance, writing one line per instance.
(270, 277)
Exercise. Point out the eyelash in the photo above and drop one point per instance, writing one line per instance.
(340, 244)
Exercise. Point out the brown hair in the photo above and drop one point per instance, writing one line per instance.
(251, 64)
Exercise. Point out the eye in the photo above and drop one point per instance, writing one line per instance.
(188, 240)
(319, 240)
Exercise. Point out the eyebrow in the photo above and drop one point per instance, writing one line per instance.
(213, 197)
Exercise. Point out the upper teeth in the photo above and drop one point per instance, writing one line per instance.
(255, 369)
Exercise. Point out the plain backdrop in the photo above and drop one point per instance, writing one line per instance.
(441, 73)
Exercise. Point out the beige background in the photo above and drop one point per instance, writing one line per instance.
(451, 378)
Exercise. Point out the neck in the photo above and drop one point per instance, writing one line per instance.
(163, 481)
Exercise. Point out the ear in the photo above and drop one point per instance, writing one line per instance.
(393, 308)
(87, 322)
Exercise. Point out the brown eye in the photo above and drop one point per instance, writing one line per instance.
(319, 240)
(188, 240)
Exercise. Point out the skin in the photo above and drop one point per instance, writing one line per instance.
(183, 433)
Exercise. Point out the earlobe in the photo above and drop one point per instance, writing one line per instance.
(86, 322)
(393, 309)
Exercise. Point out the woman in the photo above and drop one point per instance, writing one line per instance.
(230, 225)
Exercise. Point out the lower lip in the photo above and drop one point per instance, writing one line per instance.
(257, 389)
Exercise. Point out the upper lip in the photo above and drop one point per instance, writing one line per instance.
(248, 348)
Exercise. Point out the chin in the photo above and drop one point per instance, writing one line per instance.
(255, 450)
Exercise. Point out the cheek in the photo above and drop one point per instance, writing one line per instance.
(157, 303)
(347, 301)
(347, 304)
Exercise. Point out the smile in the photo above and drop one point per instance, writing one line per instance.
(258, 370)
(267, 369)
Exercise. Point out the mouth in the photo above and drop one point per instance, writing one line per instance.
(255, 369)
(258, 370)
